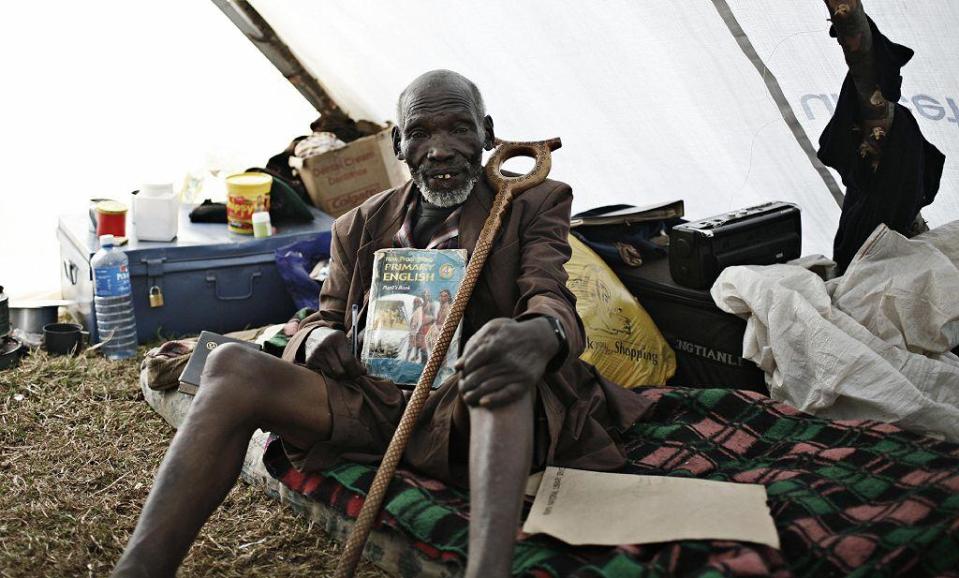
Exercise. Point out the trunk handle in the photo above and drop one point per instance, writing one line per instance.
(70, 270)
(212, 278)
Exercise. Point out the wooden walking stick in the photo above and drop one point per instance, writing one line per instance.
(506, 189)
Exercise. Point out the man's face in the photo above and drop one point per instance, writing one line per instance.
(442, 142)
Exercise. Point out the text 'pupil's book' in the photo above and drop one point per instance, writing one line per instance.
(410, 298)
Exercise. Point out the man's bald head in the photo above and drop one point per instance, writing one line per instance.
(444, 85)
(442, 129)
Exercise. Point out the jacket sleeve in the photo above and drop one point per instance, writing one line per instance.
(542, 275)
(333, 294)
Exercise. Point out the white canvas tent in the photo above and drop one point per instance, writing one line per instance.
(654, 100)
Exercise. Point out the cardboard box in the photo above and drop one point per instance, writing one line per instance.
(339, 180)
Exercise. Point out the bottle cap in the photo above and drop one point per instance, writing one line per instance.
(107, 240)
(261, 217)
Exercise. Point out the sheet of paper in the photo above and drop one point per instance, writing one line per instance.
(580, 507)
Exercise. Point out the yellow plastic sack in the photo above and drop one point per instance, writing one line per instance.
(621, 340)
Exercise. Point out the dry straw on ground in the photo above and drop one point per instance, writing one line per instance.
(78, 451)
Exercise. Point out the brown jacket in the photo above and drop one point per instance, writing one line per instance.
(524, 276)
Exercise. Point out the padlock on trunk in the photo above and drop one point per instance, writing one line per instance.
(156, 297)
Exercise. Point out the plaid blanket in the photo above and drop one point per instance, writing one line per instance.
(848, 497)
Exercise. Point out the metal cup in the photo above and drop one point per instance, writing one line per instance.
(64, 338)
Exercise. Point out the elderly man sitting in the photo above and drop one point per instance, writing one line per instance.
(521, 397)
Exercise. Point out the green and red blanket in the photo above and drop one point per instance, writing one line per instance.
(849, 498)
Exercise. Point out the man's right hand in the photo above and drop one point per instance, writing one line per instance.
(328, 351)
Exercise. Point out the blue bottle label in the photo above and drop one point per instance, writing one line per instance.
(112, 281)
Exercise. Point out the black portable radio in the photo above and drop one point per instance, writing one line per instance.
(760, 235)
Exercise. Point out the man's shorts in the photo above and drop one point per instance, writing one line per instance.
(366, 413)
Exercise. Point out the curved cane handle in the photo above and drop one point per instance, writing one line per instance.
(505, 150)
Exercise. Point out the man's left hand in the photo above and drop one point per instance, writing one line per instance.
(504, 360)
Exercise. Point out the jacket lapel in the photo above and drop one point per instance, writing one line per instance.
(475, 212)
(389, 218)
(378, 234)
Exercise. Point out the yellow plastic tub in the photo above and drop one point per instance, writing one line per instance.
(246, 193)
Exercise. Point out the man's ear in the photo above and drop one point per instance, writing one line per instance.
(396, 142)
(488, 136)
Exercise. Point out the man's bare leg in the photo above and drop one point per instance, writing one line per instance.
(240, 391)
(501, 449)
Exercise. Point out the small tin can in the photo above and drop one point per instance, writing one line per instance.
(111, 218)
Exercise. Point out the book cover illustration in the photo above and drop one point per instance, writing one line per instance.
(410, 297)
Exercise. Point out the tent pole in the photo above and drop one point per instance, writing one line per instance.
(267, 41)
(776, 93)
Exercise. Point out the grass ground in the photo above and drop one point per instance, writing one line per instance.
(78, 451)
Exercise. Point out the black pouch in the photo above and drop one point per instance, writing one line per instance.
(208, 212)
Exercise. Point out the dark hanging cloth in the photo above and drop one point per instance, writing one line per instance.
(279, 165)
(907, 178)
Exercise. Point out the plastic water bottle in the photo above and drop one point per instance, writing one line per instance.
(113, 300)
